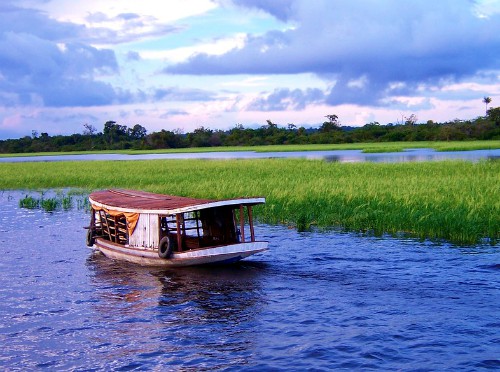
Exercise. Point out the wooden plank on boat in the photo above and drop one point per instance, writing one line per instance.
(105, 224)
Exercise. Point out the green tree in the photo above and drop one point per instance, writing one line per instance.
(271, 128)
(487, 101)
(200, 137)
(494, 115)
(89, 129)
(411, 120)
(330, 125)
(165, 139)
(137, 132)
(114, 133)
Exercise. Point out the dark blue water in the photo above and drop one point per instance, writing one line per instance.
(317, 301)
(341, 156)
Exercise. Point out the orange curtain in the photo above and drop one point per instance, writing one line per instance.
(130, 217)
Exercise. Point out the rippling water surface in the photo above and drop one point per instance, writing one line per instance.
(316, 300)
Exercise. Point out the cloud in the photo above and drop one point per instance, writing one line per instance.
(111, 22)
(179, 94)
(286, 99)
(124, 27)
(133, 56)
(172, 113)
(43, 63)
(281, 9)
(20, 20)
(215, 47)
(15, 123)
(380, 45)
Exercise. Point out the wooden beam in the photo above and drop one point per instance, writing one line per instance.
(197, 217)
(178, 218)
(250, 220)
(242, 224)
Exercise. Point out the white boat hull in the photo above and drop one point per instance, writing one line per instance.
(209, 255)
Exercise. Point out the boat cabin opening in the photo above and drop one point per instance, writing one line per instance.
(205, 228)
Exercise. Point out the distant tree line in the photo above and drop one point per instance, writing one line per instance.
(120, 137)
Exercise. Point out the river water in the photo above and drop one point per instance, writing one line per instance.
(341, 156)
(315, 300)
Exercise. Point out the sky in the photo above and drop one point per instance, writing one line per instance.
(181, 65)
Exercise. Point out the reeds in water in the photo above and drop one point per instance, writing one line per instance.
(59, 201)
(457, 201)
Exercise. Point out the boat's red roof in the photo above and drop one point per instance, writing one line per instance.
(142, 201)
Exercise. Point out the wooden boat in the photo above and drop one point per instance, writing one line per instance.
(164, 230)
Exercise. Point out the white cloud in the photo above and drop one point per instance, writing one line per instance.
(254, 81)
(358, 83)
(487, 8)
(161, 11)
(216, 47)
(473, 86)
(111, 22)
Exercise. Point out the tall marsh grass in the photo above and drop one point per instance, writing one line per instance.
(55, 201)
(457, 201)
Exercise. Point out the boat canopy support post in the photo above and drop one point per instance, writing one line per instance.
(250, 221)
(242, 224)
(179, 221)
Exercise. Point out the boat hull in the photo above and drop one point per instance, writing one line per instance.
(209, 255)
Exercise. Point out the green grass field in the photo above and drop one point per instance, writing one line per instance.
(372, 147)
(457, 201)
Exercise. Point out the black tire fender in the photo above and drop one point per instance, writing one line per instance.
(90, 238)
(165, 248)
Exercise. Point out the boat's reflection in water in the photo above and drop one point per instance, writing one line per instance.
(176, 307)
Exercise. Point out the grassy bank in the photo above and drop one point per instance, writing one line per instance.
(380, 147)
(454, 200)
(368, 147)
